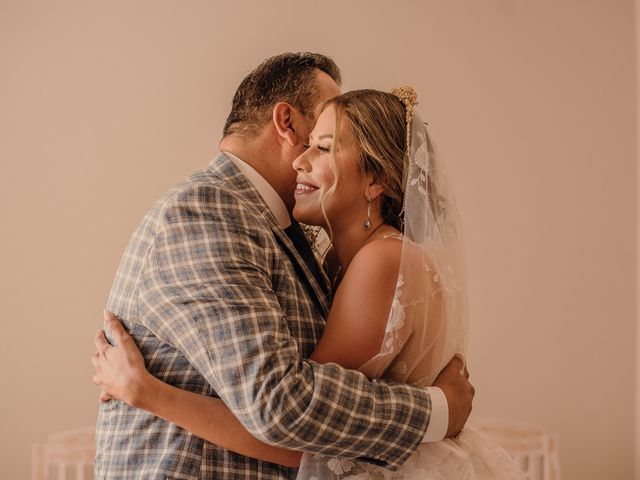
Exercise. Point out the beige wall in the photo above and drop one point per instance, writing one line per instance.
(104, 105)
(637, 408)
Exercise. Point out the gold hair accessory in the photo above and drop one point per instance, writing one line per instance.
(409, 98)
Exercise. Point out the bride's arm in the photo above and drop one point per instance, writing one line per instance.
(353, 334)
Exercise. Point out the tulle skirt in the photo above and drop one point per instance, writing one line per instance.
(473, 455)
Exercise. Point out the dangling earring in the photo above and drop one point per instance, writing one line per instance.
(367, 224)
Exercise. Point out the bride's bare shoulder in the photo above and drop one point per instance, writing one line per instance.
(385, 250)
(378, 258)
(381, 259)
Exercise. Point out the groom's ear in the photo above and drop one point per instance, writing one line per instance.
(283, 119)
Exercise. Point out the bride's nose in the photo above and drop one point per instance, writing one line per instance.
(301, 163)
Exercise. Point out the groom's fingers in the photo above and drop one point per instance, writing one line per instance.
(115, 327)
(95, 361)
(104, 396)
(108, 315)
(101, 343)
(456, 363)
(459, 363)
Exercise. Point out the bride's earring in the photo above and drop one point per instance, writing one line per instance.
(367, 224)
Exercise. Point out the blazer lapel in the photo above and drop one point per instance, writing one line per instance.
(320, 291)
(225, 169)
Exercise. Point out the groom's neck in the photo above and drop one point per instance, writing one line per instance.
(262, 154)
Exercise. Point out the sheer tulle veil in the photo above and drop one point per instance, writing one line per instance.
(428, 322)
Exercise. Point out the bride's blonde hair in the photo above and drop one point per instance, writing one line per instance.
(378, 122)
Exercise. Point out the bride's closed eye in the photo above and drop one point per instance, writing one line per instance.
(322, 148)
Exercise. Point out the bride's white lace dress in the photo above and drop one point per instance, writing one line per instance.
(426, 326)
(423, 333)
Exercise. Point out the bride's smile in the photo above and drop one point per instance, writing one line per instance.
(304, 188)
(330, 184)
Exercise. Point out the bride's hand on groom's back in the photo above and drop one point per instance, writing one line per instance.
(454, 382)
(120, 369)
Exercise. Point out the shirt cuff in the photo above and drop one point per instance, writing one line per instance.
(439, 419)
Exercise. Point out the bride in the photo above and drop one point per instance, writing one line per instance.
(370, 178)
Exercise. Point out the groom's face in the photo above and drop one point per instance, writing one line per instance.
(326, 88)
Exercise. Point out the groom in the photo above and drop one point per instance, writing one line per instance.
(221, 292)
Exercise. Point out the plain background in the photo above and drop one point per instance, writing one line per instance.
(105, 105)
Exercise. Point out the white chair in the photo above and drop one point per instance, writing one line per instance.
(535, 450)
(65, 456)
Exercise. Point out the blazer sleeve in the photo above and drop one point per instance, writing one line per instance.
(207, 291)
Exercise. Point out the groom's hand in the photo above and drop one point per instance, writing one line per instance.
(454, 382)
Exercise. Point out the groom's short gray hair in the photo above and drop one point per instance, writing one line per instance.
(288, 77)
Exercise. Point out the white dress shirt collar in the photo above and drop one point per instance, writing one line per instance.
(266, 191)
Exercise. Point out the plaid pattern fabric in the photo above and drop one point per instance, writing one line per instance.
(209, 289)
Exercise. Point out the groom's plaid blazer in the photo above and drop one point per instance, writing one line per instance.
(221, 303)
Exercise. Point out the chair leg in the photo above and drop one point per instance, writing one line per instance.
(37, 462)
